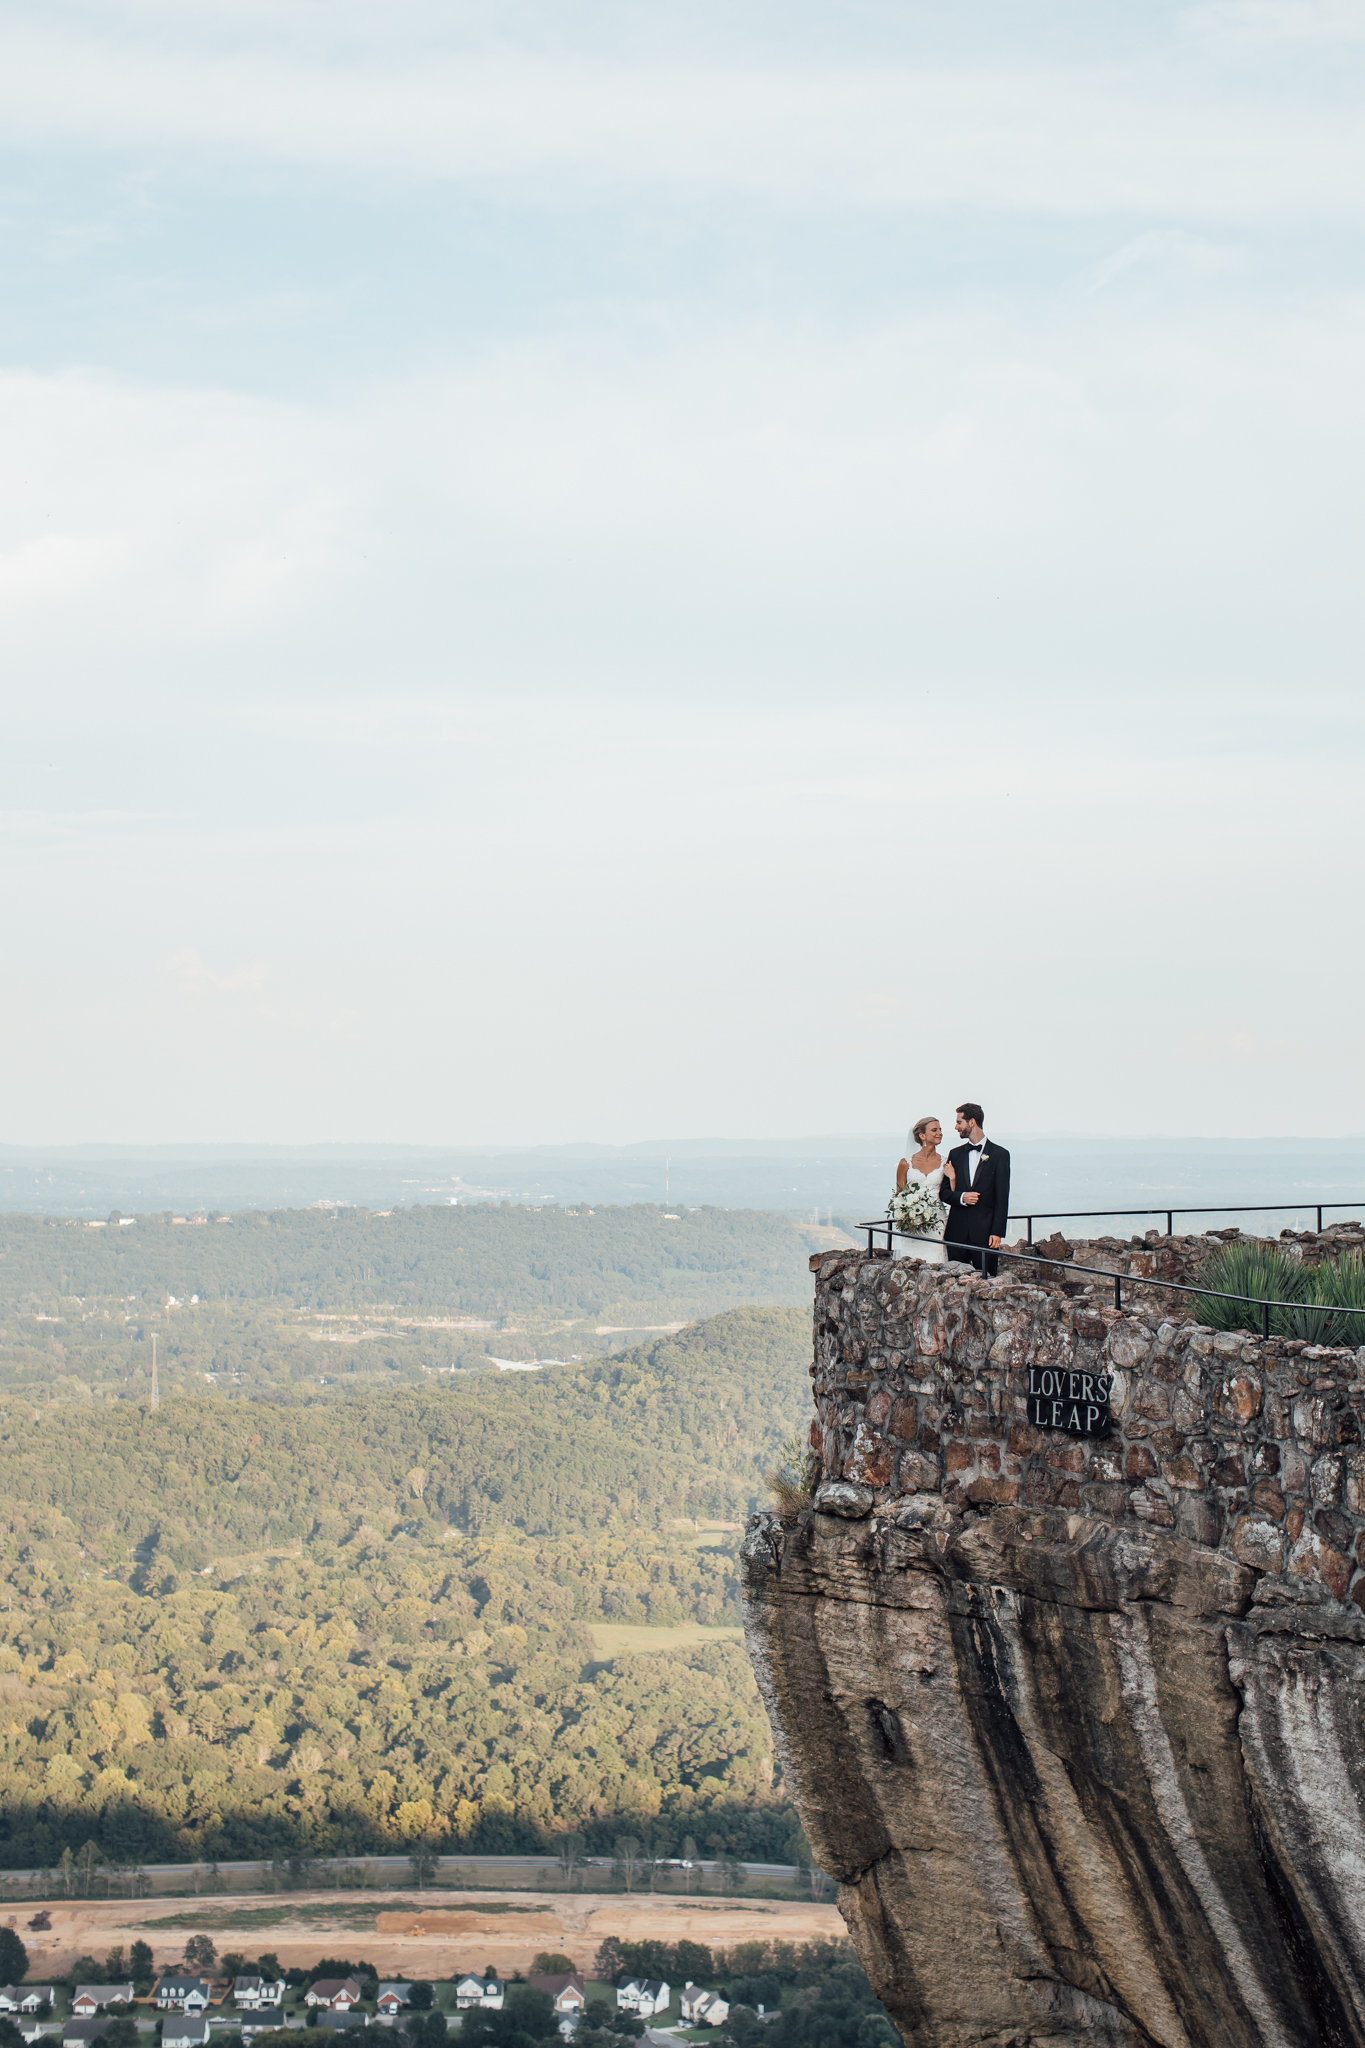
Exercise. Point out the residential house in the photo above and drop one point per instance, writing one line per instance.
(334, 1994)
(567, 1994)
(186, 2030)
(88, 1999)
(703, 2008)
(337, 1994)
(258, 1994)
(182, 1994)
(28, 1998)
(485, 1991)
(642, 1995)
(80, 2033)
(392, 1998)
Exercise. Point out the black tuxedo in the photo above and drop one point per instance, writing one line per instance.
(975, 1223)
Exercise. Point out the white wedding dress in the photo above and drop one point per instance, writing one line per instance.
(915, 1248)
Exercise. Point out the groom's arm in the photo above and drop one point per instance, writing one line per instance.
(947, 1192)
(1000, 1213)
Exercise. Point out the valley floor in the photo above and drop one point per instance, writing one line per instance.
(454, 1933)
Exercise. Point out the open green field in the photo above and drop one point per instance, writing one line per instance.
(621, 1639)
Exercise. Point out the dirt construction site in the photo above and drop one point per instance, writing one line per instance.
(434, 1937)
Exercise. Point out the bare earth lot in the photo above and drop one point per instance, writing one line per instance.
(456, 1932)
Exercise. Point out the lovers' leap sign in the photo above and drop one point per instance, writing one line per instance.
(1074, 1402)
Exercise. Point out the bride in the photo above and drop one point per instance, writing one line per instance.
(925, 1167)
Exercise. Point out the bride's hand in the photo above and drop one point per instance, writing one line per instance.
(950, 1175)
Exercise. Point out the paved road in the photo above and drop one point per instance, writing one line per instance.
(497, 1866)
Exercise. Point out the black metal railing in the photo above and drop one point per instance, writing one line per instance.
(977, 1255)
(1212, 1209)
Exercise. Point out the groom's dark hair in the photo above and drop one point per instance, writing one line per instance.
(973, 1112)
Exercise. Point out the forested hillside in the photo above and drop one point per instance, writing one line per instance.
(244, 1626)
(476, 1261)
(294, 1300)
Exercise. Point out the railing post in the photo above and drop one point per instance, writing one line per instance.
(1118, 1291)
(1030, 1230)
(1265, 1320)
(1319, 1219)
(1170, 1223)
(870, 1228)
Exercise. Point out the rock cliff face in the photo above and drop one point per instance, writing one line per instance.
(1077, 1724)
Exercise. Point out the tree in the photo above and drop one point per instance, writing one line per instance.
(610, 1962)
(733, 1875)
(140, 1961)
(569, 1850)
(115, 1967)
(200, 1954)
(628, 1853)
(268, 1966)
(691, 1857)
(424, 1863)
(551, 1963)
(234, 1965)
(422, 1997)
(13, 1957)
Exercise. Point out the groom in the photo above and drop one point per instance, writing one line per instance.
(978, 1206)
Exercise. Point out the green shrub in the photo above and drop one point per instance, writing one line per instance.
(1260, 1270)
(794, 1479)
(1321, 1305)
(1338, 1290)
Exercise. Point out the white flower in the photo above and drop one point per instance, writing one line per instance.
(917, 1209)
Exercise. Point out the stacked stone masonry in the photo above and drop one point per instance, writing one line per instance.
(1254, 1444)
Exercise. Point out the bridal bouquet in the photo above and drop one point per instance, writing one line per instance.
(918, 1209)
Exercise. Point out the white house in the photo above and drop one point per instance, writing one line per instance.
(643, 1995)
(258, 1994)
(186, 2030)
(485, 1991)
(183, 1994)
(24, 1997)
(89, 1999)
(703, 2008)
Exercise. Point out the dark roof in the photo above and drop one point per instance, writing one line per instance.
(554, 1985)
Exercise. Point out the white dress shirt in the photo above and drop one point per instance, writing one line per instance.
(973, 1159)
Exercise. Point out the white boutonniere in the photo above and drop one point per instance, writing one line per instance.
(984, 1157)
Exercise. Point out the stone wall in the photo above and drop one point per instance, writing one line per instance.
(1078, 1725)
(1252, 1444)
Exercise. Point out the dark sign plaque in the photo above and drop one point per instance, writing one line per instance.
(1077, 1403)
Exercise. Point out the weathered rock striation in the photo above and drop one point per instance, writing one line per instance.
(1076, 1723)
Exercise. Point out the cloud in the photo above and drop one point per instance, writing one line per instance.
(198, 983)
(1083, 139)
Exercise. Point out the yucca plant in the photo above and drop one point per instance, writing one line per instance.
(793, 1478)
(1259, 1270)
(1334, 1310)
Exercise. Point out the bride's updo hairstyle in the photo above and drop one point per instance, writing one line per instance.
(917, 1130)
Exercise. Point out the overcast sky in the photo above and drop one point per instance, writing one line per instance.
(619, 571)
